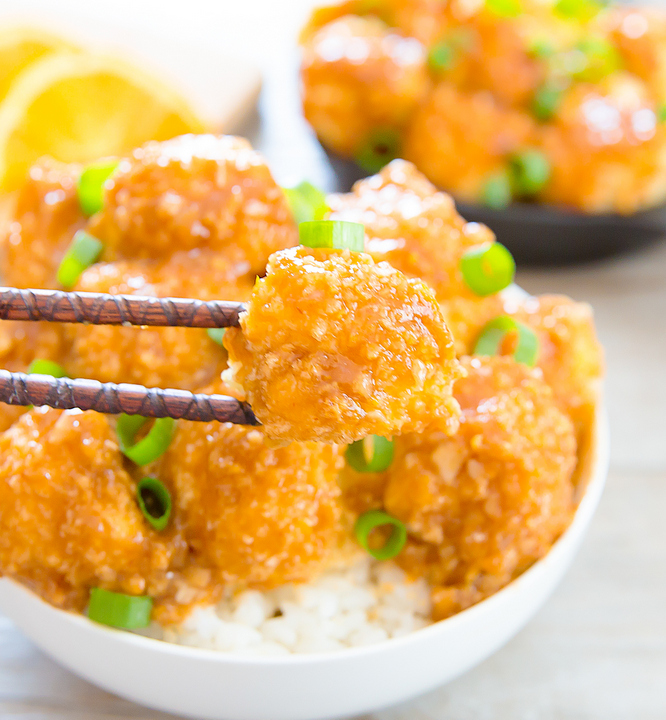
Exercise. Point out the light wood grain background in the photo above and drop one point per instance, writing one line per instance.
(597, 650)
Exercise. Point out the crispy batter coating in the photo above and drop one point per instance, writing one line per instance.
(68, 518)
(570, 355)
(485, 504)
(639, 33)
(20, 344)
(335, 347)
(416, 228)
(412, 226)
(183, 358)
(460, 138)
(196, 191)
(359, 76)
(587, 94)
(607, 137)
(45, 217)
(254, 514)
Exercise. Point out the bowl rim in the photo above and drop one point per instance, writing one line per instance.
(594, 469)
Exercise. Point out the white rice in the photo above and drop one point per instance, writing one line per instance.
(364, 604)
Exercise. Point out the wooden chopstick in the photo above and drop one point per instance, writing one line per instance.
(109, 398)
(103, 309)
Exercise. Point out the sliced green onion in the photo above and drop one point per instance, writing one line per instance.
(496, 193)
(128, 612)
(149, 448)
(370, 455)
(216, 334)
(46, 367)
(542, 49)
(488, 268)
(332, 234)
(381, 147)
(601, 58)
(530, 172)
(83, 252)
(661, 113)
(306, 202)
(441, 56)
(582, 10)
(90, 188)
(547, 100)
(374, 519)
(493, 334)
(505, 8)
(155, 502)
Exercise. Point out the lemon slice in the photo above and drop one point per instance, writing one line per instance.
(22, 46)
(77, 108)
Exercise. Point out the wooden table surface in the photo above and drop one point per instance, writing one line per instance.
(597, 650)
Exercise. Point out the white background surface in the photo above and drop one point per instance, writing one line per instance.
(598, 649)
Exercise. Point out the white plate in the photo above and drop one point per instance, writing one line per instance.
(217, 686)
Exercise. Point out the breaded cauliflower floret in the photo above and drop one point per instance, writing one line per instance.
(570, 355)
(184, 358)
(606, 136)
(416, 228)
(255, 515)
(412, 226)
(44, 220)
(460, 138)
(359, 76)
(68, 517)
(483, 505)
(639, 33)
(20, 344)
(195, 192)
(335, 347)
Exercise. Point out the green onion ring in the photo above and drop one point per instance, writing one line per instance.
(372, 519)
(216, 334)
(496, 192)
(154, 500)
(149, 448)
(46, 367)
(505, 8)
(90, 187)
(306, 202)
(491, 338)
(546, 101)
(442, 56)
(488, 268)
(530, 171)
(83, 252)
(601, 58)
(332, 234)
(380, 148)
(370, 455)
(128, 612)
(581, 10)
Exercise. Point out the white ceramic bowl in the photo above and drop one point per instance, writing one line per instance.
(218, 686)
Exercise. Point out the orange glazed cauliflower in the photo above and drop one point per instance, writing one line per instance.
(335, 347)
(483, 505)
(184, 358)
(359, 77)
(192, 193)
(68, 517)
(43, 222)
(255, 515)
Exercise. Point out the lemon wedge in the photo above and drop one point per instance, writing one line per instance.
(78, 107)
(22, 46)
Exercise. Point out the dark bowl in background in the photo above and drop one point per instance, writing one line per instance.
(546, 235)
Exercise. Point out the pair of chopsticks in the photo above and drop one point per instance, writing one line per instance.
(111, 398)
